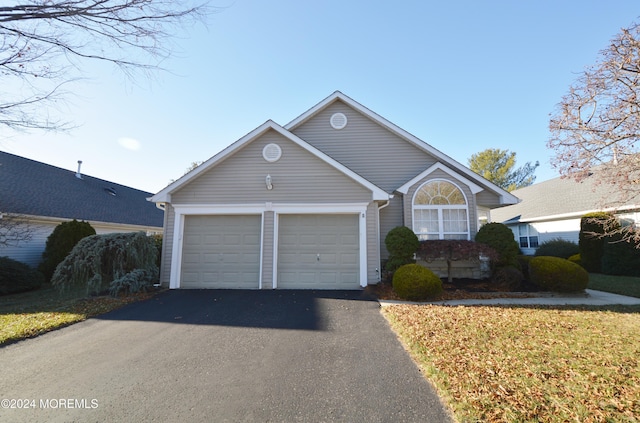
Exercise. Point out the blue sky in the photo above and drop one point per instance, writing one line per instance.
(462, 76)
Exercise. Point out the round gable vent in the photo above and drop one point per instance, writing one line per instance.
(338, 120)
(272, 152)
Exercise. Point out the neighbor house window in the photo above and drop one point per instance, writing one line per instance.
(528, 236)
(440, 211)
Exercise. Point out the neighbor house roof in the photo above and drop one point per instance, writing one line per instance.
(558, 198)
(32, 188)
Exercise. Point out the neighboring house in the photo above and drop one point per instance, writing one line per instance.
(308, 205)
(44, 196)
(553, 209)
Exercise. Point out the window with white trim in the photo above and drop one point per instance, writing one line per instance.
(527, 236)
(440, 211)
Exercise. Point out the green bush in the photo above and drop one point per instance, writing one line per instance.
(558, 247)
(507, 278)
(591, 240)
(557, 274)
(620, 258)
(402, 244)
(18, 277)
(575, 259)
(114, 263)
(60, 243)
(416, 283)
(499, 237)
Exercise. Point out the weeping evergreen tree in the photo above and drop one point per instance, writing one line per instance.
(113, 263)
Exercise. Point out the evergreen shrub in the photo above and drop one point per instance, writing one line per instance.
(499, 237)
(620, 258)
(591, 239)
(402, 244)
(558, 247)
(575, 259)
(557, 274)
(115, 263)
(416, 283)
(16, 277)
(60, 243)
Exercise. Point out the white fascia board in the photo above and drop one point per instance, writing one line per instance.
(439, 166)
(505, 196)
(572, 215)
(259, 208)
(164, 196)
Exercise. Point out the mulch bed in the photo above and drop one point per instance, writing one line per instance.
(459, 289)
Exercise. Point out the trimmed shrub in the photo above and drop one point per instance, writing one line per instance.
(416, 283)
(507, 279)
(18, 277)
(575, 259)
(114, 263)
(60, 243)
(499, 237)
(558, 247)
(557, 274)
(620, 258)
(402, 244)
(591, 239)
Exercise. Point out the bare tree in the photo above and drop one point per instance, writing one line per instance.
(14, 229)
(44, 43)
(596, 126)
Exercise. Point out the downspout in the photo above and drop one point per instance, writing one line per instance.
(378, 270)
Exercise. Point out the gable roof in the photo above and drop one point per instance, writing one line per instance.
(32, 188)
(505, 196)
(165, 194)
(557, 198)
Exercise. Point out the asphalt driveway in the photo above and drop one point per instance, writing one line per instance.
(217, 356)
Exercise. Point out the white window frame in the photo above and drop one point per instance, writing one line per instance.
(526, 232)
(440, 209)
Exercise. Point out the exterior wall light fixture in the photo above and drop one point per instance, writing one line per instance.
(267, 181)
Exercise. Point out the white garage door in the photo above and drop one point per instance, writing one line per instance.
(318, 252)
(221, 252)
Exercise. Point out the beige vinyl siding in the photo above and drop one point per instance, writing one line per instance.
(267, 250)
(373, 257)
(438, 174)
(366, 147)
(167, 245)
(487, 198)
(390, 217)
(297, 177)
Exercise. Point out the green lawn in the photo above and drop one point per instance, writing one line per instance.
(624, 285)
(29, 314)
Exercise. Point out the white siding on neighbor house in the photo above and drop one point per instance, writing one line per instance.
(568, 230)
(365, 147)
(298, 176)
(30, 252)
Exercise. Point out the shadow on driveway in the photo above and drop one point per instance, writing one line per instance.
(290, 309)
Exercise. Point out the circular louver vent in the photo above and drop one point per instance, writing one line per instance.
(338, 121)
(271, 152)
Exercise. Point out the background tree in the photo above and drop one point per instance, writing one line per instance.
(44, 42)
(14, 229)
(596, 126)
(498, 166)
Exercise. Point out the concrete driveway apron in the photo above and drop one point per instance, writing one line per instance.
(221, 356)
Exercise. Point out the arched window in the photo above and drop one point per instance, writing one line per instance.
(440, 211)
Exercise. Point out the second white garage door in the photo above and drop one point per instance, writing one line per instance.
(221, 252)
(318, 251)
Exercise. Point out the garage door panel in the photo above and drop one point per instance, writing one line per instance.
(318, 251)
(221, 252)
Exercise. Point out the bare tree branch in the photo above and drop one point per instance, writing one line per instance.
(14, 229)
(43, 44)
(595, 128)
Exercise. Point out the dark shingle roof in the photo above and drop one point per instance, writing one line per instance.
(33, 188)
(556, 197)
